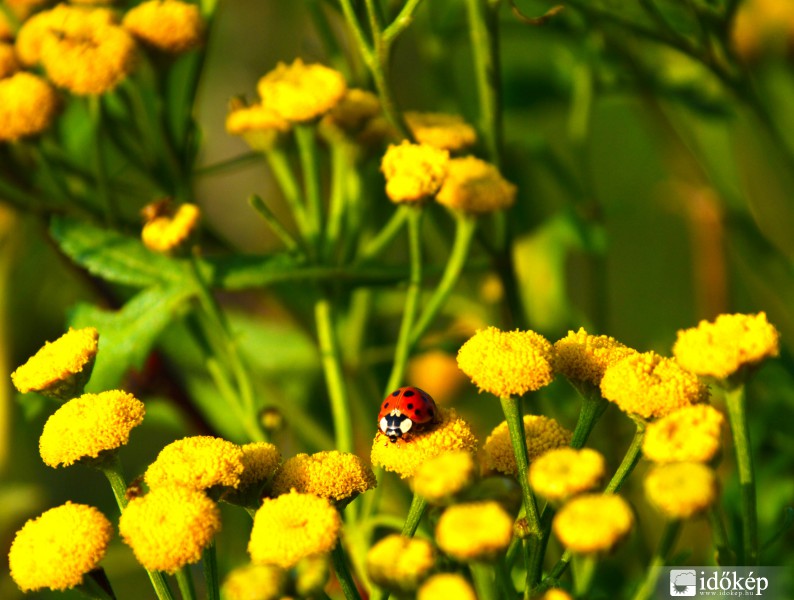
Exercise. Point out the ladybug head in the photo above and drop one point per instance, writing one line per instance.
(395, 425)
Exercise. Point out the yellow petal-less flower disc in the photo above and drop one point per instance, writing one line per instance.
(556, 594)
(476, 187)
(61, 368)
(580, 356)
(507, 363)
(171, 26)
(261, 460)
(255, 582)
(86, 426)
(475, 531)
(413, 172)
(56, 549)
(301, 92)
(258, 125)
(198, 462)
(405, 456)
(437, 370)
(692, 434)
(442, 477)
(9, 63)
(681, 490)
(542, 434)
(446, 585)
(593, 523)
(443, 131)
(399, 563)
(291, 527)
(730, 343)
(169, 527)
(167, 232)
(334, 475)
(650, 385)
(564, 472)
(351, 115)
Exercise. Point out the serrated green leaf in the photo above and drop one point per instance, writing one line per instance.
(127, 336)
(113, 256)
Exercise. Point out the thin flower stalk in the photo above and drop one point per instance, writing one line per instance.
(209, 563)
(282, 171)
(660, 558)
(307, 151)
(185, 582)
(342, 570)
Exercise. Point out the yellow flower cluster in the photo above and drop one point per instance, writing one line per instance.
(404, 457)
(580, 356)
(335, 475)
(650, 385)
(439, 130)
(28, 106)
(446, 585)
(357, 116)
(593, 523)
(169, 527)
(729, 344)
(763, 27)
(476, 187)
(413, 172)
(56, 549)
(437, 370)
(442, 477)
(61, 368)
(257, 118)
(255, 582)
(260, 462)
(689, 434)
(542, 434)
(167, 232)
(399, 563)
(198, 462)
(171, 26)
(681, 490)
(507, 363)
(556, 594)
(89, 425)
(291, 527)
(476, 531)
(564, 472)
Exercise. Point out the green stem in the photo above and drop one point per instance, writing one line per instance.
(504, 583)
(307, 150)
(334, 377)
(630, 460)
(484, 583)
(275, 225)
(403, 350)
(100, 169)
(414, 517)
(210, 566)
(401, 22)
(230, 164)
(465, 225)
(719, 537)
(386, 235)
(185, 583)
(584, 567)
(659, 559)
(735, 401)
(593, 406)
(515, 425)
(343, 573)
(340, 166)
(279, 165)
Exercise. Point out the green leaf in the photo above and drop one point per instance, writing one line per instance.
(127, 336)
(113, 256)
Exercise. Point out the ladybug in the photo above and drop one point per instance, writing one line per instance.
(404, 410)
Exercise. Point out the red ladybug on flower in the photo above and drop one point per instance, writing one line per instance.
(405, 410)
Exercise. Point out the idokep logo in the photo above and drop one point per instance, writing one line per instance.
(683, 582)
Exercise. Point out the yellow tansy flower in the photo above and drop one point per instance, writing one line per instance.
(447, 132)
(681, 490)
(61, 368)
(167, 232)
(255, 582)
(198, 462)
(9, 63)
(399, 563)
(593, 523)
(580, 356)
(56, 549)
(690, 434)
(442, 477)
(338, 476)
(260, 462)
(556, 594)
(564, 472)
(352, 114)
(258, 125)
(446, 585)
(730, 344)
(291, 527)
(28, 106)
(476, 187)
(86, 58)
(169, 527)
(475, 531)
(301, 92)
(542, 434)
(168, 25)
(436, 370)
(650, 385)
(413, 172)
(507, 363)
(404, 457)
(763, 27)
(86, 426)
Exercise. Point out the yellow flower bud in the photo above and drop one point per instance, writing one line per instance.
(593, 523)
(542, 434)
(477, 531)
(171, 26)
(413, 172)
(399, 563)
(301, 92)
(681, 490)
(338, 476)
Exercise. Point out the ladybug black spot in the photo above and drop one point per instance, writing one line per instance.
(385, 405)
(408, 393)
(418, 412)
(395, 393)
(430, 413)
(410, 406)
